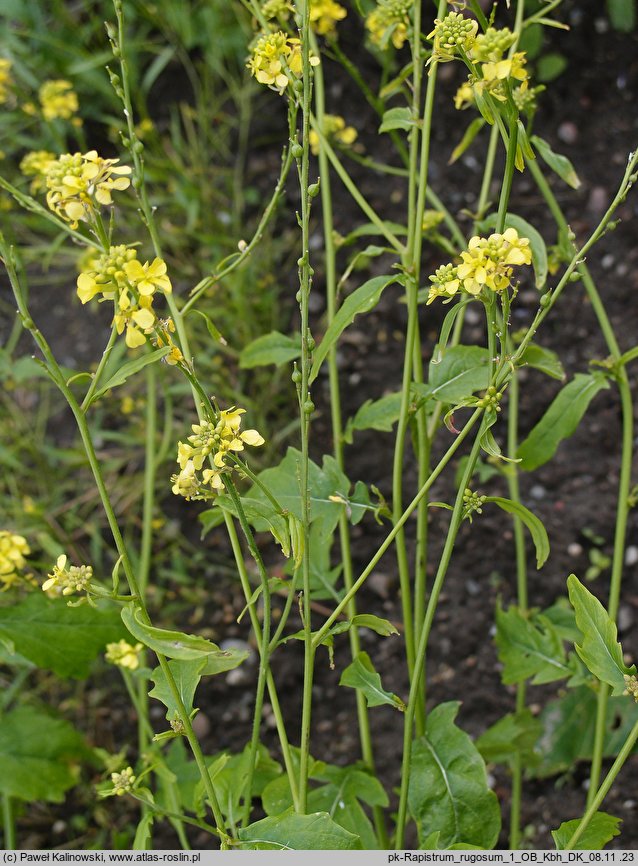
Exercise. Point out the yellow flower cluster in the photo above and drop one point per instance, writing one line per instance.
(216, 439)
(13, 549)
(6, 81)
(58, 99)
(78, 183)
(390, 21)
(120, 277)
(124, 654)
(123, 782)
(335, 130)
(431, 220)
(66, 581)
(276, 60)
(486, 264)
(324, 15)
(35, 164)
(486, 51)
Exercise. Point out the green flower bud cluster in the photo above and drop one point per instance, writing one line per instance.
(631, 686)
(492, 44)
(472, 503)
(452, 33)
(491, 399)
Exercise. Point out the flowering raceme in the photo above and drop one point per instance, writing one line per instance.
(486, 264)
(124, 654)
(58, 99)
(324, 15)
(389, 22)
(66, 581)
(119, 276)
(334, 129)
(79, 183)
(276, 60)
(215, 441)
(35, 164)
(13, 549)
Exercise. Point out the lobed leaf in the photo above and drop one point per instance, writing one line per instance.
(529, 648)
(601, 829)
(360, 674)
(293, 832)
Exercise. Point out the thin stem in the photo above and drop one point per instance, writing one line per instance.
(365, 737)
(602, 792)
(457, 516)
(339, 609)
(8, 823)
(95, 380)
(264, 656)
(256, 626)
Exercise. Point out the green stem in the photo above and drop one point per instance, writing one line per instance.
(339, 609)
(602, 792)
(8, 823)
(256, 626)
(354, 191)
(96, 469)
(365, 737)
(264, 654)
(95, 380)
(457, 516)
(506, 186)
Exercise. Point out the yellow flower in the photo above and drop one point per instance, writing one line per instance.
(163, 331)
(487, 263)
(445, 283)
(324, 15)
(6, 81)
(214, 440)
(105, 273)
(511, 67)
(389, 22)
(124, 654)
(464, 96)
(148, 278)
(13, 549)
(65, 581)
(77, 183)
(279, 9)
(431, 219)
(58, 99)
(137, 319)
(335, 130)
(276, 60)
(35, 164)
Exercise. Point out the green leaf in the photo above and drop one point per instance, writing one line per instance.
(380, 415)
(622, 14)
(273, 348)
(448, 789)
(529, 648)
(293, 832)
(468, 137)
(367, 620)
(560, 420)
(531, 521)
(231, 774)
(397, 118)
(362, 675)
(599, 650)
(211, 327)
(544, 360)
(372, 229)
(461, 371)
(187, 675)
(130, 368)
(142, 840)
(56, 637)
(362, 300)
(550, 66)
(37, 754)
(177, 645)
(536, 242)
(259, 513)
(557, 162)
(514, 735)
(601, 829)
(568, 725)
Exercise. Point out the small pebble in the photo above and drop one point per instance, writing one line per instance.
(59, 826)
(598, 200)
(574, 549)
(473, 316)
(607, 261)
(380, 583)
(631, 555)
(201, 725)
(472, 587)
(568, 132)
(625, 618)
(538, 491)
